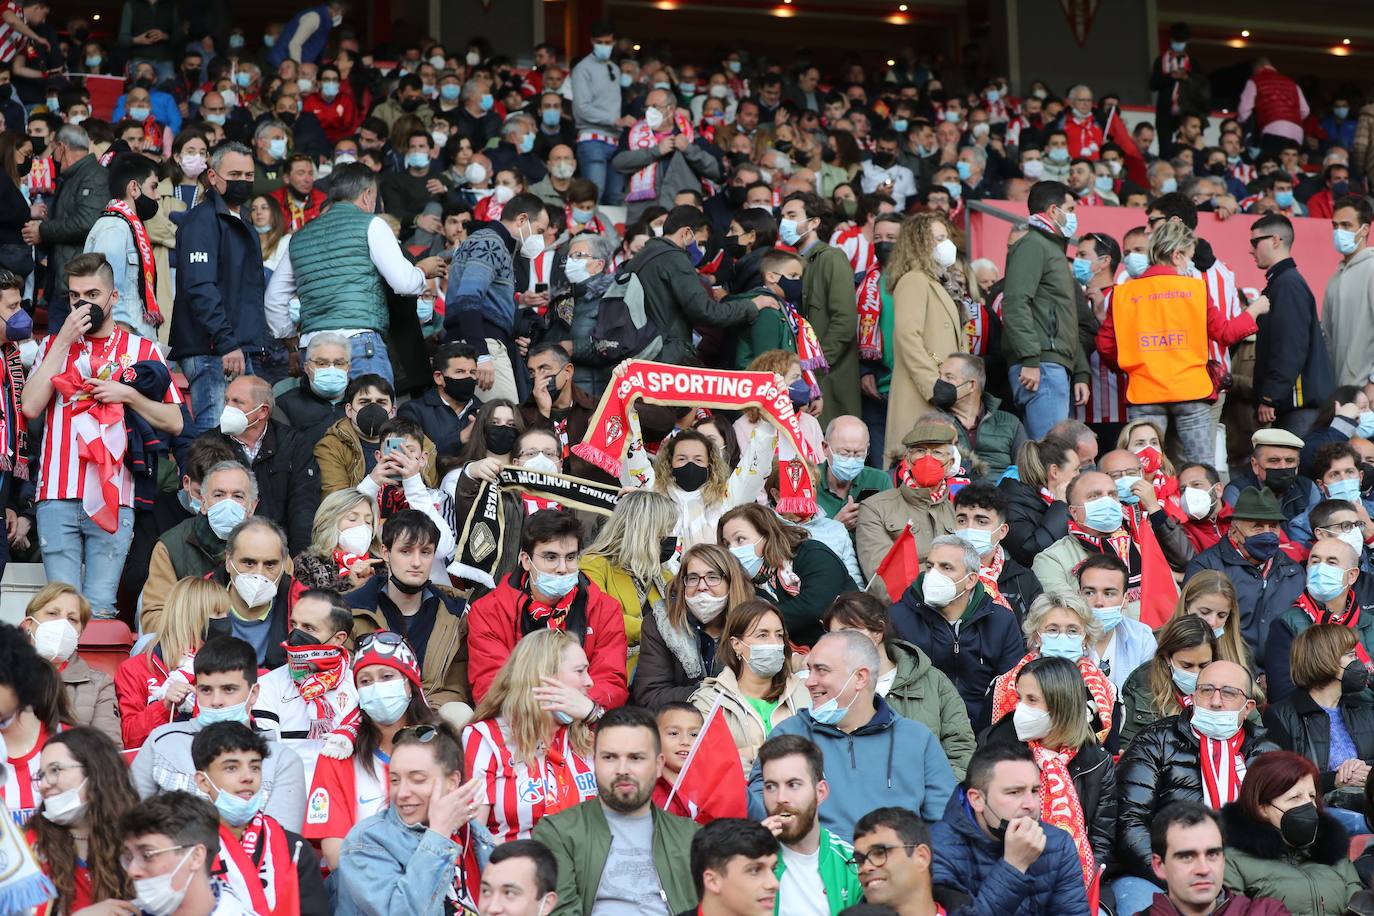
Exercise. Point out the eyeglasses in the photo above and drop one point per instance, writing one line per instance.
(1054, 630)
(877, 855)
(53, 771)
(422, 733)
(848, 453)
(1254, 241)
(527, 454)
(316, 361)
(1343, 527)
(146, 856)
(693, 580)
(1205, 692)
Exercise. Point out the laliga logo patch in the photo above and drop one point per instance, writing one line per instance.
(317, 812)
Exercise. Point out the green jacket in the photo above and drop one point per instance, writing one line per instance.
(922, 693)
(580, 840)
(830, 306)
(770, 331)
(1039, 306)
(677, 302)
(870, 478)
(1000, 435)
(338, 285)
(1138, 705)
(838, 875)
(823, 576)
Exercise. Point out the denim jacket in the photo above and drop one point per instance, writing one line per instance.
(389, 869)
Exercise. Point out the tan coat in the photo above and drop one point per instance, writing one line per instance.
(883, 516)
(745, 724)
(91, 694)
(927, 327)
(444, 669)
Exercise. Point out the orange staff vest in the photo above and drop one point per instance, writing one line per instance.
(1161, 339)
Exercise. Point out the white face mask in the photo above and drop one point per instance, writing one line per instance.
(939, 589)
(157, 896)
(1197, 503)
(1354, 538)
(946, 253)
(55, 640)
(503, 194)
(1031, 724)
(475, 173)
(541, 463)
(654, 118)
(532, 246)
(767, 659)
(234, 422)
(575, 269)
(65, 808)
(254, 589)
(355, 540)
(706, 607)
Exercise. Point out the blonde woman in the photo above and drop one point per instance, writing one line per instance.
(756, 686)
(344, 549)
(529, 741)
(788, 366)
(153, 687)
(680, 639)
(54, 620)
(1173, 383)
(927, 324)
(629, 557)
(1209, 594)
(1145, 440)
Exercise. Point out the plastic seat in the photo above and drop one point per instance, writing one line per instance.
(105, 644)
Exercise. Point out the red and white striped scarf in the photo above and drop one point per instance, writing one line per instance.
(644, 183)
(1222, 768)
(1169, 62)
(870, 308)
(1350, 617)
(809, 351)
(147, 267)
(1047, 225)
(990, 573)
(1060, 804)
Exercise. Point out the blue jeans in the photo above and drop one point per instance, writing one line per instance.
(69, 539)
(205, 378)
(594, 159)
(1045, 406)
(1133, 894)
(369, 354)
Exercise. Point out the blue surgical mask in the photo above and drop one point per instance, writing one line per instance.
(224, 516)
(1185, 681)
(94, 61)
(1058, 154)
(1070, 225)
(424, 310)
(695, 253)
(1325, 581)
(384, 701)
(1347, 489)
(789, 231)
(993, 95)
(964, 170)
(602, 50)
(487, 101)
(216, 118)
(236, 713)
(236, 811)
(626, 81)
(955, 189)
(980, 538)
(526, 143)
(554, 585)
(1366, 424)
(831, 712)
(1102, 514)
(1284, 199)
(1123, 489)
(449, 92)
(1061, 645)
(1218, 632)
(551, 117)
(329, 383)
(1083, 270)
(417, 160)
(1103, 183)
(1344, 240)
(582, 217)
(1169, 186)
(277, 147)
(846, 468)
(329, 88)
(799, 392)
(1109, 616)
(242, 79)
(1178, 47)
(1137, 262)
(236, 41)
(139, 113)
(1217, 724)
(1341, 112)
(899, 125)
(748, 558)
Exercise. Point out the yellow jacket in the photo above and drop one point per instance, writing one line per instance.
(620, 585)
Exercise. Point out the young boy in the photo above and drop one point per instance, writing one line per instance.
(263, 863)
(782, 280)
(347, 451)
(679, 723)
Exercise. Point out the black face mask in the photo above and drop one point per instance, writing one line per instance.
(219, 626)
(827, 154)
(237, 191)
(884, 160)
(1279, 480)
(23, 167)
(1354, 678)
(370, 420)
(460, 389)
(553, 387)
(405, 588)
(410, 104)
(287, 117)
(783, 146)
(666, 548)
(1366, 477)
(39, 143)
(734, 248)
(1217, 168)
(738, 159)
(500, 439)
(734, 195)
(882, 251)
(690, 477)
(301, 638)
(145, 207)
(97, 312)
(1298, 826)
(944, 394)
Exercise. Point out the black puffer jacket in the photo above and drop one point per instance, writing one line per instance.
(1032, 525)
(1019, 586)
(1298, 724)
(1094, 779)
(1162, 765)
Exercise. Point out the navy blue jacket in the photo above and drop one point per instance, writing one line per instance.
(220, 285)
(441, 425)
(987, 642)
(1301, 497)
(969, 862)
(1292, 367)
(1263, 598)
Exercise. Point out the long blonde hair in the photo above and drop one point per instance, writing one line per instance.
(776, 362)
(191, 603)
(915, 248)
(1231, 645)
(511, 696)
(717, 486)
(630, 538)
(324, 535)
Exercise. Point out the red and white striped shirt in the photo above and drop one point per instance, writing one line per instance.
(540, 269)
(856, 247)
(1106, 388)
(1221, 289)
(21, 795)
(1243, 172)
(62, 475)
(11, 39)
(519, 797)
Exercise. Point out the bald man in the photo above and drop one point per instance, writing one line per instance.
(661, 159)
(845, 476)
(281, 458)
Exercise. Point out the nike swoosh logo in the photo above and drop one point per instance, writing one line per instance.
(369, 801)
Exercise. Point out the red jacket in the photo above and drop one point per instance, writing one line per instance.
(339, 118)
(1085, 139)
(494, 629)
(1206, 533)
(311, 208)
(134, 681)
(1276, 98)
(1235, 905)
(1320, 205)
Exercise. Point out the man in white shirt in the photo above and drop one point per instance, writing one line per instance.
(813, 870)
(882, 173)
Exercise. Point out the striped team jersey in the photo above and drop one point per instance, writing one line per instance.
(11, 39)
(1222, 291)
(21, 795)
(518, 796)
(858, 249)
(62, 474)
(1106, 387)
(342, 793)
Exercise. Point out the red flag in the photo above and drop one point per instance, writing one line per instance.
(1158, 590)
(712, 781)
(901, 565)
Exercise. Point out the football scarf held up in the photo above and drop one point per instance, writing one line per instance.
(686, 386)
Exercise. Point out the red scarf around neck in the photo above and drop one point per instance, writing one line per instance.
(147, 267)
(1060, 804)
(316, 670)
(1222, 770)
(1350, 617)
(259, 863)
(1005, 697)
